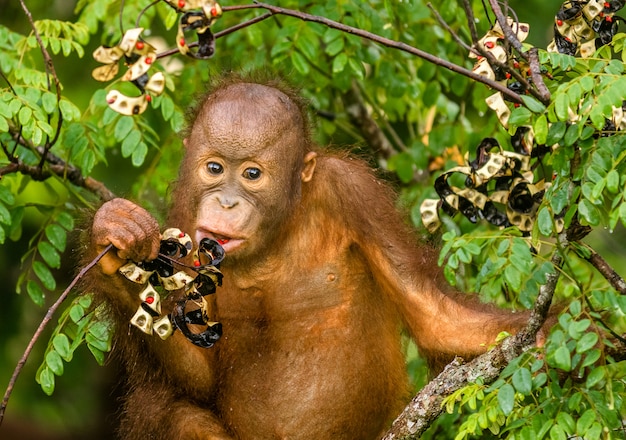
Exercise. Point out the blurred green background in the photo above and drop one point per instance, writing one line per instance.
(86, 396)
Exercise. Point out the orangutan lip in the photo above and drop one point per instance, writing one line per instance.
(228, 243)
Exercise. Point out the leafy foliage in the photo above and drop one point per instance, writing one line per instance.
(80, 323)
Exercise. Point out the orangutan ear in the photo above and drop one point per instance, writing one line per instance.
(309, 166)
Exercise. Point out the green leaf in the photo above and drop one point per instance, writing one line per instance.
(533, 104)
(46, 380)
(61, 344)
(572, 134)
(54, 362)
(49, 254)
(566, 422)
(556, 133)
(513, 277)
(100, 330)
(357, 68)
(171, 18)
(35, 292)
(523, 381)
(130, 143)
(339, 63)
(25, 115)
(167, 107)
(57, 236)
(520, 116)
(85, 300)
(124, 125)
(97, 354)
(77, 313)
(49, 102)
(139, 155)
(5, 215)
(589, 212)
(557, 433)
(587, 83)
(561, 106)
(544, 221)
(506, 398)
(300, 63)
(596, 375)
(335, 47)
(612, 181)
(70, 111)
(66, 220)
(97, 343)
(562, 358)
(44, 275)
(591, 357)
(6, 195)
(541, 130)
(594, 432)
(585, 421)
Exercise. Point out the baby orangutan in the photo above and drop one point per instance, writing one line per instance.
(321, 275)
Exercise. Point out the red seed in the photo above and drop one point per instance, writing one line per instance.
(181, 3)
(196, 263)
(148, 60)
(214, 12)
(139, 45)
(148, 98)
(182, 42)
(150, 299)
(489, 45)
(559, 22)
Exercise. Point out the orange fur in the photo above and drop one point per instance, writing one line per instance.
(312, 308)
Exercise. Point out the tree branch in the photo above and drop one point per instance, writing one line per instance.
(42, 326)
(540, 91)
(393, 44)
(426, 406)
(607, 271)
(51, 71)
(58, 167)
(363, 121)
(225, 32)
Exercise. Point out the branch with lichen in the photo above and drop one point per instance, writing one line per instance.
(426, 406)
(53, 166)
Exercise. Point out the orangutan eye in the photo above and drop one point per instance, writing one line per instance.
(252, 173)
(215, 168)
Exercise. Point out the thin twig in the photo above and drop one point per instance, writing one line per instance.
(58, 167)
(508, 32)
(51, 71)
(393, 44)
(447, 27)
(607, 271)
(539, 91)
(469, 13)
(223, 33)
(42, 325)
